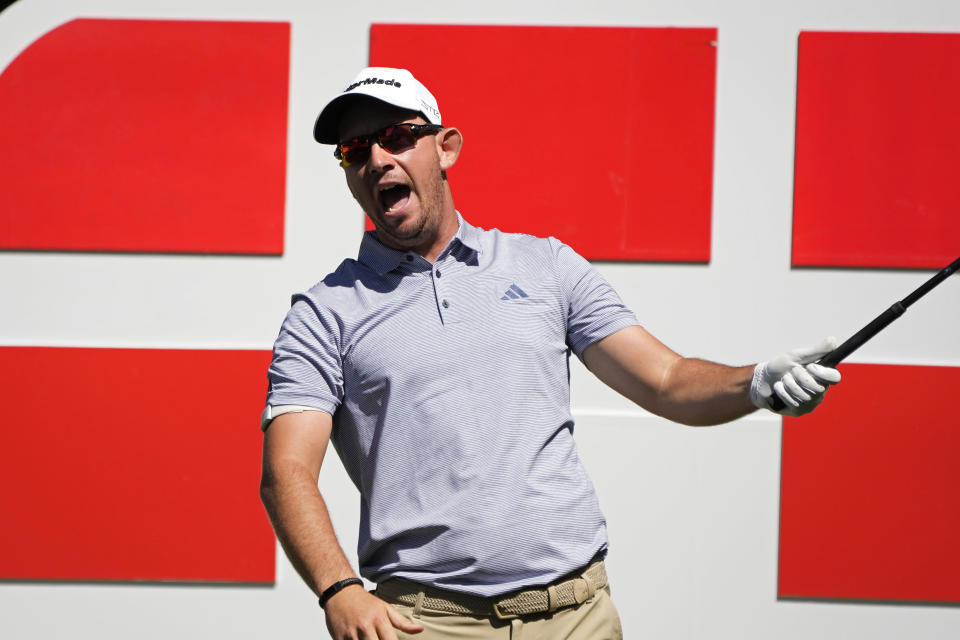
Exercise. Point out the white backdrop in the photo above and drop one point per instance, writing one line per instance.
(693, 513)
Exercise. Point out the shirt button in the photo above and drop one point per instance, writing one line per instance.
(446, 305)
(438, 273)
(409, 258)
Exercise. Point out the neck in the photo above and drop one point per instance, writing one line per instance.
(445, 232)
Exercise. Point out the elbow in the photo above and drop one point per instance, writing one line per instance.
(269, 500)
(268, 494)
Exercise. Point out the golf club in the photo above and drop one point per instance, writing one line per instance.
(877, 324)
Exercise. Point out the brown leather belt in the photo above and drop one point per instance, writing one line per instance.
(565, 592)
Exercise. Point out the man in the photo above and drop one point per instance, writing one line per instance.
(437, 364)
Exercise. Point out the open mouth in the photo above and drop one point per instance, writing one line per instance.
(394, 197)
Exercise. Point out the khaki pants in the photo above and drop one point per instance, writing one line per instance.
(595, 619)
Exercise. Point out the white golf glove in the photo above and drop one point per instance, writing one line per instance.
(795, 378)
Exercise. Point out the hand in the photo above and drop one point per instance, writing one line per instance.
(795, 378)
(354, 614)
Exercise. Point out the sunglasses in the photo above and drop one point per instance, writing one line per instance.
(393, 139)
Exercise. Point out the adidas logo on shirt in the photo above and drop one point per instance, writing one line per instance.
(514, 292)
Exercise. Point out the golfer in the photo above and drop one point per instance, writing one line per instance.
(437, 365)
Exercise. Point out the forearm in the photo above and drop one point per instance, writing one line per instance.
(302, 523)
(685, 390)
(293, 450)
(698, 392)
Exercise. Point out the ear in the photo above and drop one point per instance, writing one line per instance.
(449, 144)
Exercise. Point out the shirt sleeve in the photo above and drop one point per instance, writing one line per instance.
(595, 311)
(306, 369)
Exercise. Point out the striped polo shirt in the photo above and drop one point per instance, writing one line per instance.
(449, 388)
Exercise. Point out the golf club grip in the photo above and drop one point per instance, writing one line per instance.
(853, 343)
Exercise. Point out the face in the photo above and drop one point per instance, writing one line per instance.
(404, 194)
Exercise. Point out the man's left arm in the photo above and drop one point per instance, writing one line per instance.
(698, 392)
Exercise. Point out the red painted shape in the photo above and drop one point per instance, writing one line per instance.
(869, 502)
(146, 135)
(602, 137)
(133, 464)
(877, 150)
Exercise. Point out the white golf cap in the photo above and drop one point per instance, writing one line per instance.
(393, 86)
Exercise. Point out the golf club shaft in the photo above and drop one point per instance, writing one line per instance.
(878, 324)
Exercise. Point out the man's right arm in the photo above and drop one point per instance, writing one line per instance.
(293, 450)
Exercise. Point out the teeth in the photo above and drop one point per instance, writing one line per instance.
(381, 188)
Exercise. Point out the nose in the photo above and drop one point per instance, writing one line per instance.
(380, 159)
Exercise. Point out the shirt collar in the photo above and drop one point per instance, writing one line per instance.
(382, 258)
(468, 235)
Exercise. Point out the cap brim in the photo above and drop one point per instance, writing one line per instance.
(326, 128)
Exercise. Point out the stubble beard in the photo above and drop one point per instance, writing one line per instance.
(428, 222)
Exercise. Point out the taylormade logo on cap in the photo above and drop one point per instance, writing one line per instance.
(396, 87)
(392, 83)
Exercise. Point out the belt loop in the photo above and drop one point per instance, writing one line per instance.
(552, 601)
(418, 604)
